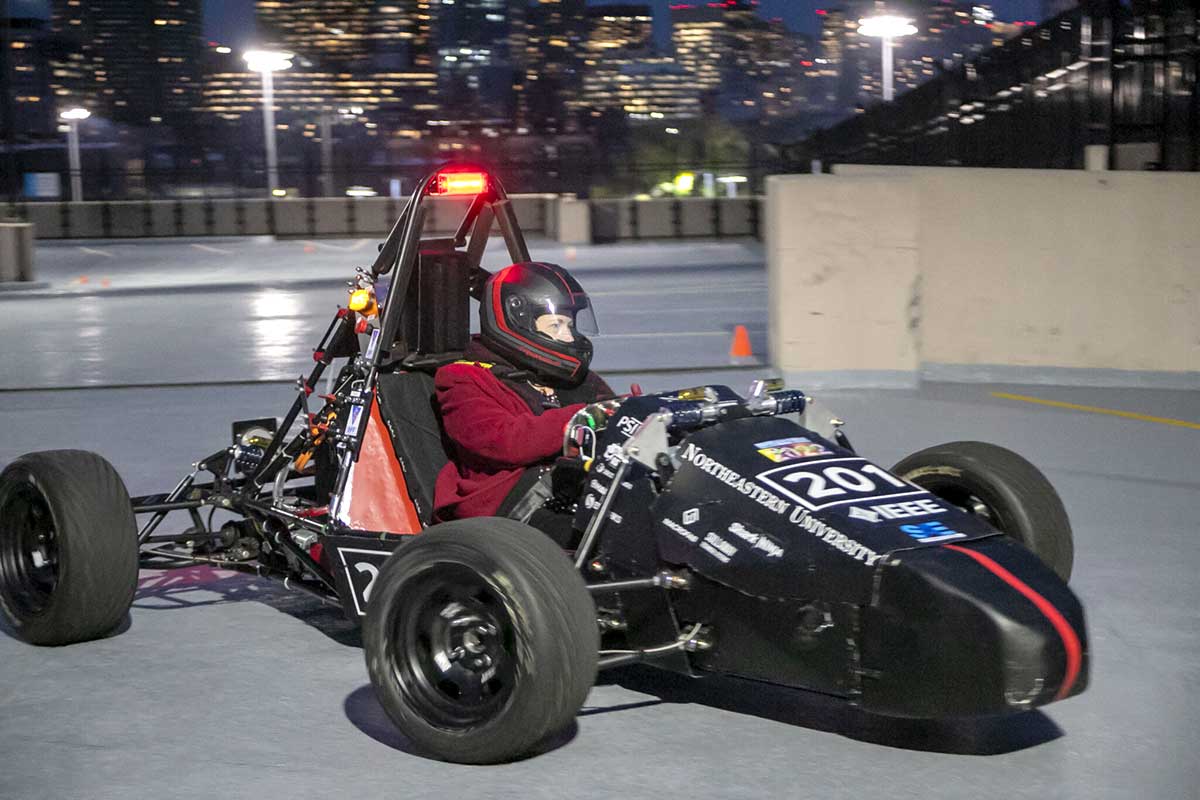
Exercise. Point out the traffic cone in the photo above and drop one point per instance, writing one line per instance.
(741, 343)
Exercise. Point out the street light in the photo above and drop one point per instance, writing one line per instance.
(267, 62)
(73, 117)
(888, 28)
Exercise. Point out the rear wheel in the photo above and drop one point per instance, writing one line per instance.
(481, 640)
(1003, 488)
(68, 547)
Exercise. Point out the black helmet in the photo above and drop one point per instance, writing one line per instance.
(513, 300)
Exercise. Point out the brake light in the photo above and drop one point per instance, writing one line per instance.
(460, 183)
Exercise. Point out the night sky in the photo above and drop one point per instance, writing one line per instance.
(232, 21)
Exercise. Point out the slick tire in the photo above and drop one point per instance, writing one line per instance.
(1001, 485)
(68, 547)
(481, 640)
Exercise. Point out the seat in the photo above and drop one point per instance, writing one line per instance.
(435, 324)
(408, 406)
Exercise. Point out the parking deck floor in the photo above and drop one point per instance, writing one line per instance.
(227, 686)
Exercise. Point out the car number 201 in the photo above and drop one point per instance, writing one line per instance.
(831, 482)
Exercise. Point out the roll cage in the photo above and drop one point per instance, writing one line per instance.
(419, 289)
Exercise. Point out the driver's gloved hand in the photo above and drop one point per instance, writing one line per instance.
(598, 413)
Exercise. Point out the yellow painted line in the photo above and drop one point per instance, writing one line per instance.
(1097, 410)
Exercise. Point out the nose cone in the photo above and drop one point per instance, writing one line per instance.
(979, 628)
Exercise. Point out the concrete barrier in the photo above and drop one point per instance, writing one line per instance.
(1024, 275)
(47, 219)
(574, 221)
(842, 274)
(673, 218)
(601, 220)
(16, 252)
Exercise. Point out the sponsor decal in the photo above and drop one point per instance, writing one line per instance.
(724, 474)
(604, 471)
(690, 516)
(718, 548)
(912, 508)
(612, 454)
(672, 525)
(591, 503)
(780, 450)
(832, 537)
(799, 515)
(372, 346)
(615, 517)
(597, 487)
(757, 541)
(863, 514)
(928, 532)
(836, 481)
(354, 420)
(628, 425)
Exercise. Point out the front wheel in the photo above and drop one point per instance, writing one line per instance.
(1003, 488)
(481, 640)
(68, 547)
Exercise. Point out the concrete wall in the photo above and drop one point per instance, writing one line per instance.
(1026, 275)
(671, 218)
(590, 220)
(842, 259)
(371, 216)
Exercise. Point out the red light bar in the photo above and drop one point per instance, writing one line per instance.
(460, 183)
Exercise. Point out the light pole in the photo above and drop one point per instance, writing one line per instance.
(267, 62)
(327, 153)
(73, 117)
(888, 28)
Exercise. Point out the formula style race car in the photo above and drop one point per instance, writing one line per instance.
(715, 533)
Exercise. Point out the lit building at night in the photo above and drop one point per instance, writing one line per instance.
(621, 73)
(619, 30)
(646, 89)
(555, 37)
(476, 57)
(231, 92)
(752, 63)
(351, 34)
(700, 35)
(25, 76)
(134, 61)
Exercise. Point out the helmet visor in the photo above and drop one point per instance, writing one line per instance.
(577, 318)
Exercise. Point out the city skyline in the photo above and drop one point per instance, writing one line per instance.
(232, 22)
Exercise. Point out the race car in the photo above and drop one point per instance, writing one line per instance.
(716, 532)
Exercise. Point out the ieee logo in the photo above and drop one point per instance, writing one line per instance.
(929, 532)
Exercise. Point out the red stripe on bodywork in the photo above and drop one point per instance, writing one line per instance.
(1065, 632)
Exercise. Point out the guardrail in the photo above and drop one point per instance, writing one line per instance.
(550, 215)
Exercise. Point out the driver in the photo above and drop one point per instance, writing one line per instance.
(505, 406)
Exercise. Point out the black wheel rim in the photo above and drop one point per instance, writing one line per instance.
(29, 557)
(453, 646)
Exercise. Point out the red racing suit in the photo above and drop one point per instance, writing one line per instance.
(497, 429)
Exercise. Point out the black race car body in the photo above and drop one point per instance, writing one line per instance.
(819, 569)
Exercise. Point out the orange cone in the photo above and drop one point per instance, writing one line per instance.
(741, 343)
